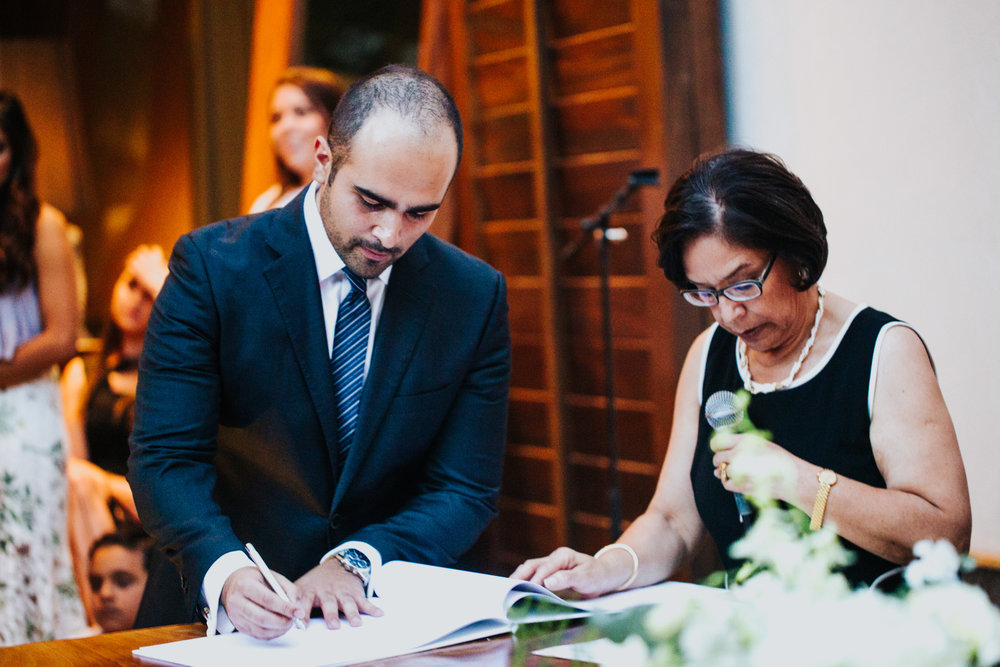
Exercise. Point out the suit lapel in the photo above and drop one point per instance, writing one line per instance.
(292, 279)
(408, 302)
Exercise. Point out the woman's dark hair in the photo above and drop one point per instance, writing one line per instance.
(323, 88)
(748, 199)
(19, 206)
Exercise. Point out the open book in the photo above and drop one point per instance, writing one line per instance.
(425, 607)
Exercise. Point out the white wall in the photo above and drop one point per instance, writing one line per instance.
(889, 111)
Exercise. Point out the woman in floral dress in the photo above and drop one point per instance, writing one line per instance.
(38, 324)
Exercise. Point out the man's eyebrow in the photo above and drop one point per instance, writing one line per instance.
(388, 203)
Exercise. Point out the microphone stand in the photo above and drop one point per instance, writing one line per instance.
(588, 228)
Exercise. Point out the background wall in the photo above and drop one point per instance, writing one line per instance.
(888, 111)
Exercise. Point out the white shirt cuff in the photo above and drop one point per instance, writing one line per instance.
(211, 590)
(374, 557)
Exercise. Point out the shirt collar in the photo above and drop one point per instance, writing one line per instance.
(328, 262)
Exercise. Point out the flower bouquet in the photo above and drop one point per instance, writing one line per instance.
(789, 605)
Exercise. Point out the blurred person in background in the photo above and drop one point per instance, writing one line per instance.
(118, 569)
(302, 103)
(39, 321)
(99, 410)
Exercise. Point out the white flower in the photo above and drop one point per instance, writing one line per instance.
(935, 562)
(796, 609)
(667, 618)
(768, 473)
(966, 612)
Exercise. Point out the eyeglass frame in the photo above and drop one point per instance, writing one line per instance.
(688, 294)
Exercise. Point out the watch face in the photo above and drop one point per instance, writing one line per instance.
(357, 559)
(827, 477)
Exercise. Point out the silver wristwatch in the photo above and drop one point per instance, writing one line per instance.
(357, 563)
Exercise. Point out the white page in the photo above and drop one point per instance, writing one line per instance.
(423, 605)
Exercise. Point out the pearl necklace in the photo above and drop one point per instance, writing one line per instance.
(743, 363)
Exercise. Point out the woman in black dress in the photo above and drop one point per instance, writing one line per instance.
(848, 393)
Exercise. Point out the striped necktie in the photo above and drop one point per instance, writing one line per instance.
(347, 361)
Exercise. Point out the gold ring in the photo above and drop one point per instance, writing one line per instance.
(723, 468)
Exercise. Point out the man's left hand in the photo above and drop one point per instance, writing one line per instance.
(336, 591)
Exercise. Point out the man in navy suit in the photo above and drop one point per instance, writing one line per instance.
(236, 426)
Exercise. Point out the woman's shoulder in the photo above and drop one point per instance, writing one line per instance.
(50, 220)
(270, 198)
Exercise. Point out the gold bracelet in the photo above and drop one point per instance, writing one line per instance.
(631, 552)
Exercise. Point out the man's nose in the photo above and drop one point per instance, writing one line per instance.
(388, 228)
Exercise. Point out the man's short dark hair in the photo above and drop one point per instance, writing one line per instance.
(133, 539)
(749, 199)
(408, 91)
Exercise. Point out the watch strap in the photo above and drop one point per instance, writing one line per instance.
(826, 478)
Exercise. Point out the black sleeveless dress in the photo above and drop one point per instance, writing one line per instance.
(824, 420)
(109, 422)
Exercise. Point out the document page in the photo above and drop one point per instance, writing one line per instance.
(425, 607)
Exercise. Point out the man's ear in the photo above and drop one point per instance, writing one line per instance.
(323, 160)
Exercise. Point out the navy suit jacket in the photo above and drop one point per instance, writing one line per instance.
(235, 426)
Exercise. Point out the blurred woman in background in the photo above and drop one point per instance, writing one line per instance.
(39, 320)
(302, 102)
(98, 410)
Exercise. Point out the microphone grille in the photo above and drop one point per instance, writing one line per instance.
(721, 410)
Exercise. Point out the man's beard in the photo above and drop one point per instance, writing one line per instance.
(369, 268)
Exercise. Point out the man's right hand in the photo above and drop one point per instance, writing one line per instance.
(255, 609)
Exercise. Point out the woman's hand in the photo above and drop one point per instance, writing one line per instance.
(747, 463)
(568, 570)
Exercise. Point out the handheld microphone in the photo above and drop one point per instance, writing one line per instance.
(722, 410)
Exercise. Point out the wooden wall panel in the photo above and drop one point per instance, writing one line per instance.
(512, 251)
(500, 82)
(527, 478)
(572, 17)
(560, 112)
(496, 26)
(529, 366)
(592, 484)
(527, 424)
(507, 197)
(586, 370)
(601, 62)
(503, 139)
(586, 188)
(628, 310)
(627, 258)
(635, 431)
(586, 125)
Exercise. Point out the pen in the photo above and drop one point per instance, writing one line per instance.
(271, 581)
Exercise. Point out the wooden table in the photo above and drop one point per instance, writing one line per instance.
(116, 649)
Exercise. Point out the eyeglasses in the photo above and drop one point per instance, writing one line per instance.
(745, 290)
